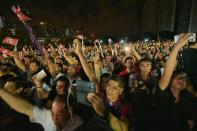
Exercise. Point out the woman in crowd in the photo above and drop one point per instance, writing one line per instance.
(176, 102)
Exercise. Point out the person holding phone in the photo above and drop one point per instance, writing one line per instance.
(114, 109)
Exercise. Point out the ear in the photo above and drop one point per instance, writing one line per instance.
(19, 90)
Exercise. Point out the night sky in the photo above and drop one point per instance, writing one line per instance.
(91, 16)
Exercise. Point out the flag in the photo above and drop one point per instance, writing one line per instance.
(19, 14)
(10, 41)
(5, 51)
(33, 38)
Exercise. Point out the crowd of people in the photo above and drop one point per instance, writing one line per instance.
(139, 86)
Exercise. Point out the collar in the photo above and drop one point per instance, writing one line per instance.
(116, 103)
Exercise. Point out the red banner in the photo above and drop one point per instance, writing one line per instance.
(5, 51)
(10, 41)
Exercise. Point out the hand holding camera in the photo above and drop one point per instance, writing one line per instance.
(83, 88)
(192, 37)
(97, 103)
(38, 78)
(183, 39)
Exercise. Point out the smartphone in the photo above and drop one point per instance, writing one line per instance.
(176, 38)
(192, 38)
(82, 90)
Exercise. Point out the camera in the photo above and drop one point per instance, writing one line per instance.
(192, 38)
(82, 89)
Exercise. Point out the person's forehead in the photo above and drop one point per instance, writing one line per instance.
(60, 82)
(113, 83)
(58, 106)
(33, 64)
(10, 83)
(27, 57)
(71, 66)
(180, 77)
(130, 60)
(58, 59)
(145, 63)
(108, 56)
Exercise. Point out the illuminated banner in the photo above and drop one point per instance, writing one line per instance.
(10, 41)
(5, 51)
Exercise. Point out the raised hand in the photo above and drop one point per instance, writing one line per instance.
(14, 54)
(97, 103)
(182, 40)
(96, 56)
(77, 46)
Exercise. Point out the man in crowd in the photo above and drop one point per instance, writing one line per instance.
(58, 118)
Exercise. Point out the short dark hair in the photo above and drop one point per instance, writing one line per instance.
(63, 78)
(63, 99)
(119, 80)
(128, 58)
(36, 62)
(106, 75)
(145, 59)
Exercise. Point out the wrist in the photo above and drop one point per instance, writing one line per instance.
(177, 49)
(96, 62)
(105, 114)
(79, 53)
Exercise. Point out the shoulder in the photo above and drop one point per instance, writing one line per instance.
(40, 114)
(74, 122)
(43, 117)
(166, 94)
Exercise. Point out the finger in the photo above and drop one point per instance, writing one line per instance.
(96, 97)
(90, 94)
(182, 35)
(188, 35)
(92, 99)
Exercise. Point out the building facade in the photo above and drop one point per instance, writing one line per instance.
(169, 15)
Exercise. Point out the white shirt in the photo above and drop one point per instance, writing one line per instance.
(43, 117)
